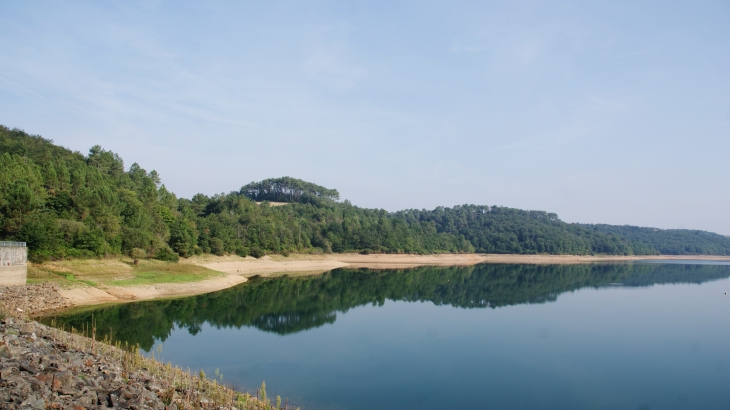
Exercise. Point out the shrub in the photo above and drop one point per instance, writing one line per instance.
(257, 252)
(166, 254)
(38, 256)
(137, 254)
(217, 247)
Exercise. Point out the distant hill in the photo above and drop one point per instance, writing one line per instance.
(670, 241)
(67, 204)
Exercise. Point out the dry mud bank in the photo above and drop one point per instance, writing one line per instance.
(385, 261)
(563, 259)
(321, 263)
(89, 295)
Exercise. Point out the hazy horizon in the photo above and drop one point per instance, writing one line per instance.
(611, 112)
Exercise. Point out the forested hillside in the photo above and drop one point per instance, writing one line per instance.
(66, 204)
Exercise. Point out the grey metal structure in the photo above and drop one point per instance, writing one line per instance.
(12, 244)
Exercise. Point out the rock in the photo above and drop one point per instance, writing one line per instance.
(56, 365)
(5, 372)
(29, 367)
(62, 380)
(116, 401)
(88, 398)
(45, 378)
(39, 404)
(26, 329)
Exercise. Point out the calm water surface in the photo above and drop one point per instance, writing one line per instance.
(602, 336)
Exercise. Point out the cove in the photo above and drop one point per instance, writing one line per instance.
(497, 336)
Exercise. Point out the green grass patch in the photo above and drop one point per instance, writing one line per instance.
(71, 278)
(117, 272)
(153, 272)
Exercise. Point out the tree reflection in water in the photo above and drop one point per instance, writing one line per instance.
(286, 305)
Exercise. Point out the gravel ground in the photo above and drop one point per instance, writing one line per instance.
(28, 300)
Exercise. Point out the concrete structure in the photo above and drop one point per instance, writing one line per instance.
(13, 263)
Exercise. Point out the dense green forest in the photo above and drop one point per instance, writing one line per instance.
(66, 204)
(288, 189)
(287, 305)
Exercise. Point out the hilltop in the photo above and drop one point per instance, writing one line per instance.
(65, 204)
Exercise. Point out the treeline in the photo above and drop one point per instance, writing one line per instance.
(288, 189)
(66, 204)
(670, 241)
(287, 305)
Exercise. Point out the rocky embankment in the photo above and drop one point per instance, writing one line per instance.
(42, 367)
(39, 371)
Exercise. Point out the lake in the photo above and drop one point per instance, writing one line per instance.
(491, 336)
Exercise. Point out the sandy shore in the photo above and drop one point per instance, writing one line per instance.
(234, 265)
(389, 261)
(89, 295)
(561, 259)
(237, 269)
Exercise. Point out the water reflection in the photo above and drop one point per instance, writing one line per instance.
(286, 305)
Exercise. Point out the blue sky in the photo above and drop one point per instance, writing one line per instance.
(603, 112)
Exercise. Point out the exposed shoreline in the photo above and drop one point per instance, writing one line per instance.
(238, 269)
(90, 295)
(562, 259)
